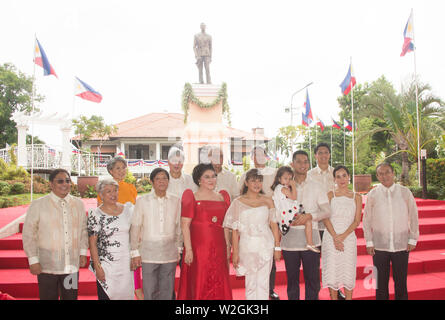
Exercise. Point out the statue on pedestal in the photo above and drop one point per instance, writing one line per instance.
(202, 46)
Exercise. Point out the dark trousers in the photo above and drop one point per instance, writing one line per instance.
(311, 272)
(382, 261)
(53, 286)
(101, 294)
(273, 272)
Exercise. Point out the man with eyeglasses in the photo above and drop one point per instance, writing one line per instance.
(55, 239)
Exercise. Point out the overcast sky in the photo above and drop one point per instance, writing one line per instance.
(139, 55)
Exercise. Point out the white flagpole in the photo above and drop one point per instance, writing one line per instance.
(310, 146)
(353, 129)
(32, 117)
(332, 147)
(316, 134)
(417, 103)
(344, 144)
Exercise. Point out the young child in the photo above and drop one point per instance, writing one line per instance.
(286, 204)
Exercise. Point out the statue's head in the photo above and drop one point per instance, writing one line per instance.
(203, 27)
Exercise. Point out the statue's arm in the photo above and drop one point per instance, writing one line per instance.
(195, 47)
(210, 48)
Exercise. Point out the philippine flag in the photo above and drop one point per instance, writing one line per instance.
(348, 125)
(84, 91)
(335, 124)
(42, 60)
(307, 115)
(408, 35)
(349, 82)
(320, 124)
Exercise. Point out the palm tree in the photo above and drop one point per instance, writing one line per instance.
(398, 115)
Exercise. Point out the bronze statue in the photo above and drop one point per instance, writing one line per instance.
(202, 46)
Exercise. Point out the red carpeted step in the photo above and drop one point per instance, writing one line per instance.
(426, 226)
(420, 287)
(429, 202)
(22, 284)
(425, 242)
(13, 242)
(431, 211)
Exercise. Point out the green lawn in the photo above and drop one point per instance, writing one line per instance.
(18, 199)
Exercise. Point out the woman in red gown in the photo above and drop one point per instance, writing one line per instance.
(205, 267)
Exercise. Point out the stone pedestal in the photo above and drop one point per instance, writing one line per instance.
(204, 127)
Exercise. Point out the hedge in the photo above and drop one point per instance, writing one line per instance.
(435, 172)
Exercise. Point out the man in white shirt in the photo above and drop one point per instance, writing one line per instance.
(225, 180)
(323, 173)
(55, 239)
(293, 244)
(179, 181)
(155, 238)
(259, 158)
(391, 229)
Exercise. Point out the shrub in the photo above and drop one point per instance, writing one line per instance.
(435, 172)
(4, 188)
(18, 188)
(90, 192)
(74, 190)
(140, 188)
(147, 188)
(7, 202)
(433, 192)
(145, 181)
(129, 178)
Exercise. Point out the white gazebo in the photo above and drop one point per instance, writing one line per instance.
(25, 120)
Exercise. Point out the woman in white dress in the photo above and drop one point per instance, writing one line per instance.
(339, 247)
(109, 239)
(255, 236)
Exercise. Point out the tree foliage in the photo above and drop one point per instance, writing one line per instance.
(15, 95)
(93, 128)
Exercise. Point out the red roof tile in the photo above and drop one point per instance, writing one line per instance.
(158, 125)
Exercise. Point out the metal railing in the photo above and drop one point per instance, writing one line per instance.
(46, 157)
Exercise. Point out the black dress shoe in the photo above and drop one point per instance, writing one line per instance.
(340, 295)
(274, 296)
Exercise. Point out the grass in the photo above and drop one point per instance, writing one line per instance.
(22, 199)
(18, 199)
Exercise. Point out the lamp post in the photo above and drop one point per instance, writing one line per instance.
(291, 110)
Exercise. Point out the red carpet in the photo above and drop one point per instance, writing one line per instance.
(426, 270)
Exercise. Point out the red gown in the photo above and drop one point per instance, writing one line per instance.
(207, 277)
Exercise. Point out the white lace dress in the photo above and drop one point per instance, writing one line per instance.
(339, 267)
(256, 245)
(113, 246)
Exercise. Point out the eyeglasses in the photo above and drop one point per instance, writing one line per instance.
(61, 181)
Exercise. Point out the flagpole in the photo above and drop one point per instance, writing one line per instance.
(332, 147)
(344, 145)
(417, 102)
(353, 129)
(310, 146)
(316, 134)
(32, 118)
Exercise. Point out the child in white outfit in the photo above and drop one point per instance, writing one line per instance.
(286, 204)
